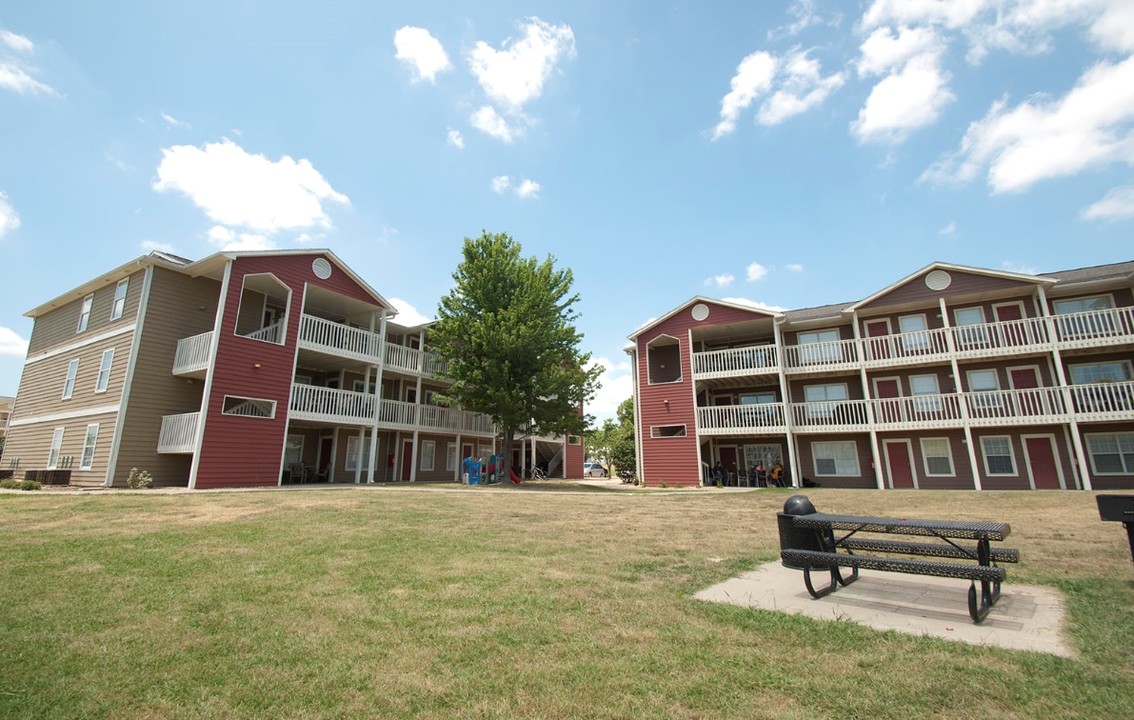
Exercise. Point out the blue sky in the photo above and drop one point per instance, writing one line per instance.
(786, 154)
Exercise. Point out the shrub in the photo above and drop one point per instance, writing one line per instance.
(139, 479)
(13, 484)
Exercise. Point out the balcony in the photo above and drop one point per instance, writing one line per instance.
(192, 357)
(346, 407)
(1012, 337)
(736, 362)
(1096, 328)
(331, 405)
(179, 433)
(906, 348)
(1103, 402)
(410, 416)
(340, 340)
(1034, 406)
(830, 416)
(767, 418)
(414, 362)
(822, 356)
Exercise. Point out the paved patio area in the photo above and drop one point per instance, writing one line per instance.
(1027, 617)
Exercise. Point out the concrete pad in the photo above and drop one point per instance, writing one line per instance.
(1027, 617)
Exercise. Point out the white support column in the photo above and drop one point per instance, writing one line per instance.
(377, 391)
(1065, 391)
(635, 396)
(961, 404)
(457, 458)
(868, 396)
(416, 417)
(358, 461)
(785, 394)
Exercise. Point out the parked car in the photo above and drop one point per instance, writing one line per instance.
(593, 469)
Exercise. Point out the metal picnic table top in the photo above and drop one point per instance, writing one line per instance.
(958, 529)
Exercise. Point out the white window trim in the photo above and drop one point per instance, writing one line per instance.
(971, 333)
(270, 416)
(1011, 455)
(282, 319)
(654, 432)
(680, 366)
(1091, 455)
(1011, 303)
(351, 460)
(815, 459)
(428, 455)
(450, 456)
(53, 452)
(104, 367)
(978, 308)
(85, 313)
(119, 304)
(89, 443)
(1071, 368)
(1035, 370)
(826, 407)
(72, 377)
(948, 453)
(1055, 303)
(302, 441)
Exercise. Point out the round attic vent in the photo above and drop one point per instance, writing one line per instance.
(321, 268)
(700, 312)
(938, 280)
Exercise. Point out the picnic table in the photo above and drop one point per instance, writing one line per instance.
(808, 541)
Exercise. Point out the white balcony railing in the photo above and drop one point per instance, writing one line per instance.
(735, 362)
(269, 333)
(311, 402)
(1000, 338)
(833, 415)
(746, 419)
(1015, 407)
(1094, 328)
(413, 361)
(1104, 401)
(337, 339)
(193, 354)
(430, 417)
(179, 433)
(901, 348)
(832, 355)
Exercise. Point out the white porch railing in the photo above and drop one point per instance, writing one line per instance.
(1094, 328)
(178, 433)
(411, 416)
(830, 415)
(337, 339)
(901, 348)
(1032, 406)
(311, 402)
(832, 355)
(741, 419)
(1000, 338)
(193, 354)
(1104, 401)
(271, 333)
(735, 362)
(403, 359)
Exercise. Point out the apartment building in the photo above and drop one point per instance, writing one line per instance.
(243, 369)
(951, 378)
(6, 402)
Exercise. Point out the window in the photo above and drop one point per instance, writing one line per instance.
(1087, 316)
(835, 458)
(89, 447)
(915, 334)
(970, 316)
(819, 346)
(359, 386)
(1111, 453)
(119, 299)
(56, 445)
(663, 360)
(1116, 371)
(352, 453)
(262, 314)
(937, 456)
(822, 399)
(574, 439)
(664, 431)
(428, 450)
(104, 370)
(998, 458)
(925, 385)
(72, 373)
(85, 312)
(451, 456)
(985, 388)
(293, 450)
(761, 398)
(1087, 304)
(248, 407)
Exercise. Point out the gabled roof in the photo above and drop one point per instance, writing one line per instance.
(697, 299)
(122, 271)
(832, 312)
(1003, 274)
(1096, 273)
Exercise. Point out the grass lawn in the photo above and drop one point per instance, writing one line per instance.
(474, 602)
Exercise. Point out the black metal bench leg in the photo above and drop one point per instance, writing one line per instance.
(835, 580)
(978, 613)
(844, 581)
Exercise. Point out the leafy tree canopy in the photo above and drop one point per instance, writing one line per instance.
(507, 329)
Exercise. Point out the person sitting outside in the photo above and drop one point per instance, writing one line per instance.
(776, 478)
(758, 476)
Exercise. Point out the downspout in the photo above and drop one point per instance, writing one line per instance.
(874, 454)
(214, 347)
(1065, 390)
(961, 404)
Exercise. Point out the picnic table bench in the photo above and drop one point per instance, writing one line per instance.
(808, 542)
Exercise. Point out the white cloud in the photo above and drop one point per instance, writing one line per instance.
(489, 122)
(949, 13)
(455, 139)
(234, 187)
(615, 385)
(948, 229)
(16, 74)
(1117, 204)
(722, 281)
(500, 184)
(226, 239)
(753, 76)
(754, 304)
(17, 43)
(903, 101)
(794, 267)
(150, 246)
(755, 271)
(803, 89)
(883, 51)
(1092, 125)
(15, 78)
(516, 74)
(174, 122)
(12, 344)
(1013, 266)
(408, 315)
(422, 52)
(9, 220)
(805, 16)
(528, 189)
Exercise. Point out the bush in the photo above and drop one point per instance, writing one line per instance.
(139, 479)
(12, 484)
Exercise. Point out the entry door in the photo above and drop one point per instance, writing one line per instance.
(326, 465)
(728, 459)
(880, 348)
(407, 459)
(1025, 379)
(889, 410)
(899, 463)
(1016, 333)
(1043, 463)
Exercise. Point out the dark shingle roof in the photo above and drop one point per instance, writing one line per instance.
(1093, 274)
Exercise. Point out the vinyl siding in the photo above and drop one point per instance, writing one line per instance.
(963, 283)
(58, 327)
(32, 445)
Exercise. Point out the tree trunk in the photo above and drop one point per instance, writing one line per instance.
(508, 441)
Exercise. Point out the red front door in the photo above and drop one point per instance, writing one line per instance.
(728, 459)
(1016, 333)
(899, 464)
(407, 460)
(886, 389)
(880, 348)
(1026, 380)
(1042, 463)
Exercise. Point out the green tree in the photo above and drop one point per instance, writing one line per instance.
(622, 453)
(507, 329)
